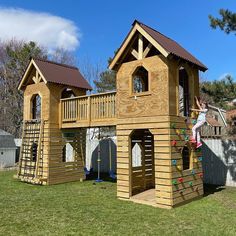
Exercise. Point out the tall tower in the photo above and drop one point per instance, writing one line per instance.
(156, 82)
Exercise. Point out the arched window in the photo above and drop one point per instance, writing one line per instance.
(140, 80)
(34, 150)
(36, 107)
(183, 93)
(67, 93)
(186, 158)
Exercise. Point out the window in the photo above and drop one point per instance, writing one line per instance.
(67, 93)
(34, 149)
(186, 158)
(36, 107)
(137, 154)
(183, 93)
(140, 80)
(68, 153)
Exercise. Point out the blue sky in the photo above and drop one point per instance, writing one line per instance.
(95, 29)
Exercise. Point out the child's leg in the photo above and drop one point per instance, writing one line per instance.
(199, 125)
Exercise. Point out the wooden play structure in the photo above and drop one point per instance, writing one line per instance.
(156, 82)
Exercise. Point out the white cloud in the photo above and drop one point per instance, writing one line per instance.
(48, 30)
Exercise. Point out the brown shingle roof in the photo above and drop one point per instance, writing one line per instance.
(212, 121)
(62, 74)
(171, 46)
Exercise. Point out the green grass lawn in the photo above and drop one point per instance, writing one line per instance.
(87, 209)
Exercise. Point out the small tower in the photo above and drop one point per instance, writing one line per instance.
(48, 154)
(156, 82)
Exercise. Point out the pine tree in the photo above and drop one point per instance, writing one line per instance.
(227, 22)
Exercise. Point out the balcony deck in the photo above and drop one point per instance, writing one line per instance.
(88, 111)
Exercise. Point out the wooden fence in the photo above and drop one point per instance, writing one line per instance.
(219, 161)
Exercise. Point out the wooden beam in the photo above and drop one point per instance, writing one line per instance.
(135, 54)
(147, 50)
(152, 41)
(140, 47)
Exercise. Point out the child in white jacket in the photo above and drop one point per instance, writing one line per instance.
(203, 108)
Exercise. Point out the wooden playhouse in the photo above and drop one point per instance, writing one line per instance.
(156, 82)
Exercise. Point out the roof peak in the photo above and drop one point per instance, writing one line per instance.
(55, 63)
(141, 23)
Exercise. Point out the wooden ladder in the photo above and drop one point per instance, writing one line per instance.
(31, 148)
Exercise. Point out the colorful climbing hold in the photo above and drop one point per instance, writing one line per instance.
(183, 131)
(173, 125)
(180, 180)
(190, 183)
(193, 172)
(174, 182)
(173, 143)
(200, 158)
(186, 138)
(194, 121)
(200, 175)
(174, 162)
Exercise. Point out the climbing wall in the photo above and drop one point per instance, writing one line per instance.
(186, 181)
(31, 153)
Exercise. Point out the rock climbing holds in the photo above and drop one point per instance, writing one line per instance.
(186, 138)
(193, 172)
(200, 175)
(180, 180)
(200, 158)
(174, 162)
(194, 122)
(190, 183)
(183, 131)
(173, 143)
(174, 182)
(173, 125)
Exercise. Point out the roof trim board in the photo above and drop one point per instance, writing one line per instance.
(32, 62)
(126, 41)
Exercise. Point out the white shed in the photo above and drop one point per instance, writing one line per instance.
(7, 149)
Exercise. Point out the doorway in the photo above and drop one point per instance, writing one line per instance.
(142, 161)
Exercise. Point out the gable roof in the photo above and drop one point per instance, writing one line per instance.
(57, 73)
(6, 140)
(164, 44)
(213, 122)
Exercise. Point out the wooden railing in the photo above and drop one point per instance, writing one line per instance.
(208, 131)
(91, 108)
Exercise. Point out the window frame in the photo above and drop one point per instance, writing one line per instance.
(143, 93)
(33, 110)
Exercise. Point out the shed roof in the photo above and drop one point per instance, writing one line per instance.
(6, 140)
(213, 122)
(59, 73)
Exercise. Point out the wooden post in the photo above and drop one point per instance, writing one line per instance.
(140, 47)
